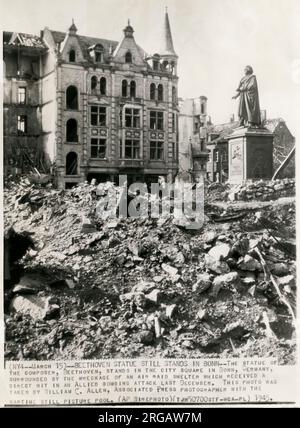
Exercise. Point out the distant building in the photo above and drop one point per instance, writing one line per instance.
(193, 122)
(217, 166)
(91, 108)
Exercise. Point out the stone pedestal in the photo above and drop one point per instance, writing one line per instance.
(250, 155)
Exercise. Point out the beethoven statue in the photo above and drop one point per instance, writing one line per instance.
(249, 111)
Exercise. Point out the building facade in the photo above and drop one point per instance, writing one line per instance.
(22, 102)
(107, 108)
(193, 123)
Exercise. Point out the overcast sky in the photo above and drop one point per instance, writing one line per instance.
(214, 40)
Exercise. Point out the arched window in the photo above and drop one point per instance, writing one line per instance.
(72, 56)
(128, 57)
(124, 88)
(103, 86)
(160, 92)
(174, 98)
(94, 84)
(71, 163)
(152, 91)
(71, 131)
(132, 88)
(72, 98)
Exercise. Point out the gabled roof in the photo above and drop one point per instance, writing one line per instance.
(22, 39)
(86, 41)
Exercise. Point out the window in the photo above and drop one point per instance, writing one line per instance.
(174, 98)
(132, 88)
(160, 92)
(72, 98)
(173, 122)
(202, 144)
(156, 150)
(155, 64)
(152, 91)
(99, 53)
(21, 95)
(174, 151)
(94, 84)
(71, 163)
(103, 86)
(128, 57)
(132, 118)
(98, 148)
(124, 88)
(22, 124)
(98, 116)
(71, 131)
(202, 108)
(224, 157)
(132, 149)
(98, 56)
(72, 56)
(156, 120)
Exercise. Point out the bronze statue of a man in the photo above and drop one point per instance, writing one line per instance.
(249, 111)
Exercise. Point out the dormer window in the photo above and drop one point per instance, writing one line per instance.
(128, 57)
(97, 52)
(155, 62)
(98, 56)
(72, 56)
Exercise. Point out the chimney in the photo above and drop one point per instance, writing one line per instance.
(232, 118)
(263, 115)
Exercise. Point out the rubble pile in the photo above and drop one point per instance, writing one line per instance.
(85, 286)
(263, 190)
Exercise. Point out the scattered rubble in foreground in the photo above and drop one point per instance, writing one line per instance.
(78, 286)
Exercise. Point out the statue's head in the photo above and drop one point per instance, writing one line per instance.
(248, 69)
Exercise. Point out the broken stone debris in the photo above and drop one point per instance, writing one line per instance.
(134, 286)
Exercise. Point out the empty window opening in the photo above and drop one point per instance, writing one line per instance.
(128, 57)
(71, 131)
(72, 56)
(132, 89)
(124, 88)
(72, 98)
(98, 148)
(94, 84)
(22, 124)
(71, 163)
(103, 86)
(152, 91)
(21, 95)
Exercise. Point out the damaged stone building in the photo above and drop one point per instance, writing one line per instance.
(84, 107)
(193, 126)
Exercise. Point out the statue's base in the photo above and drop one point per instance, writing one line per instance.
(250, 154)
